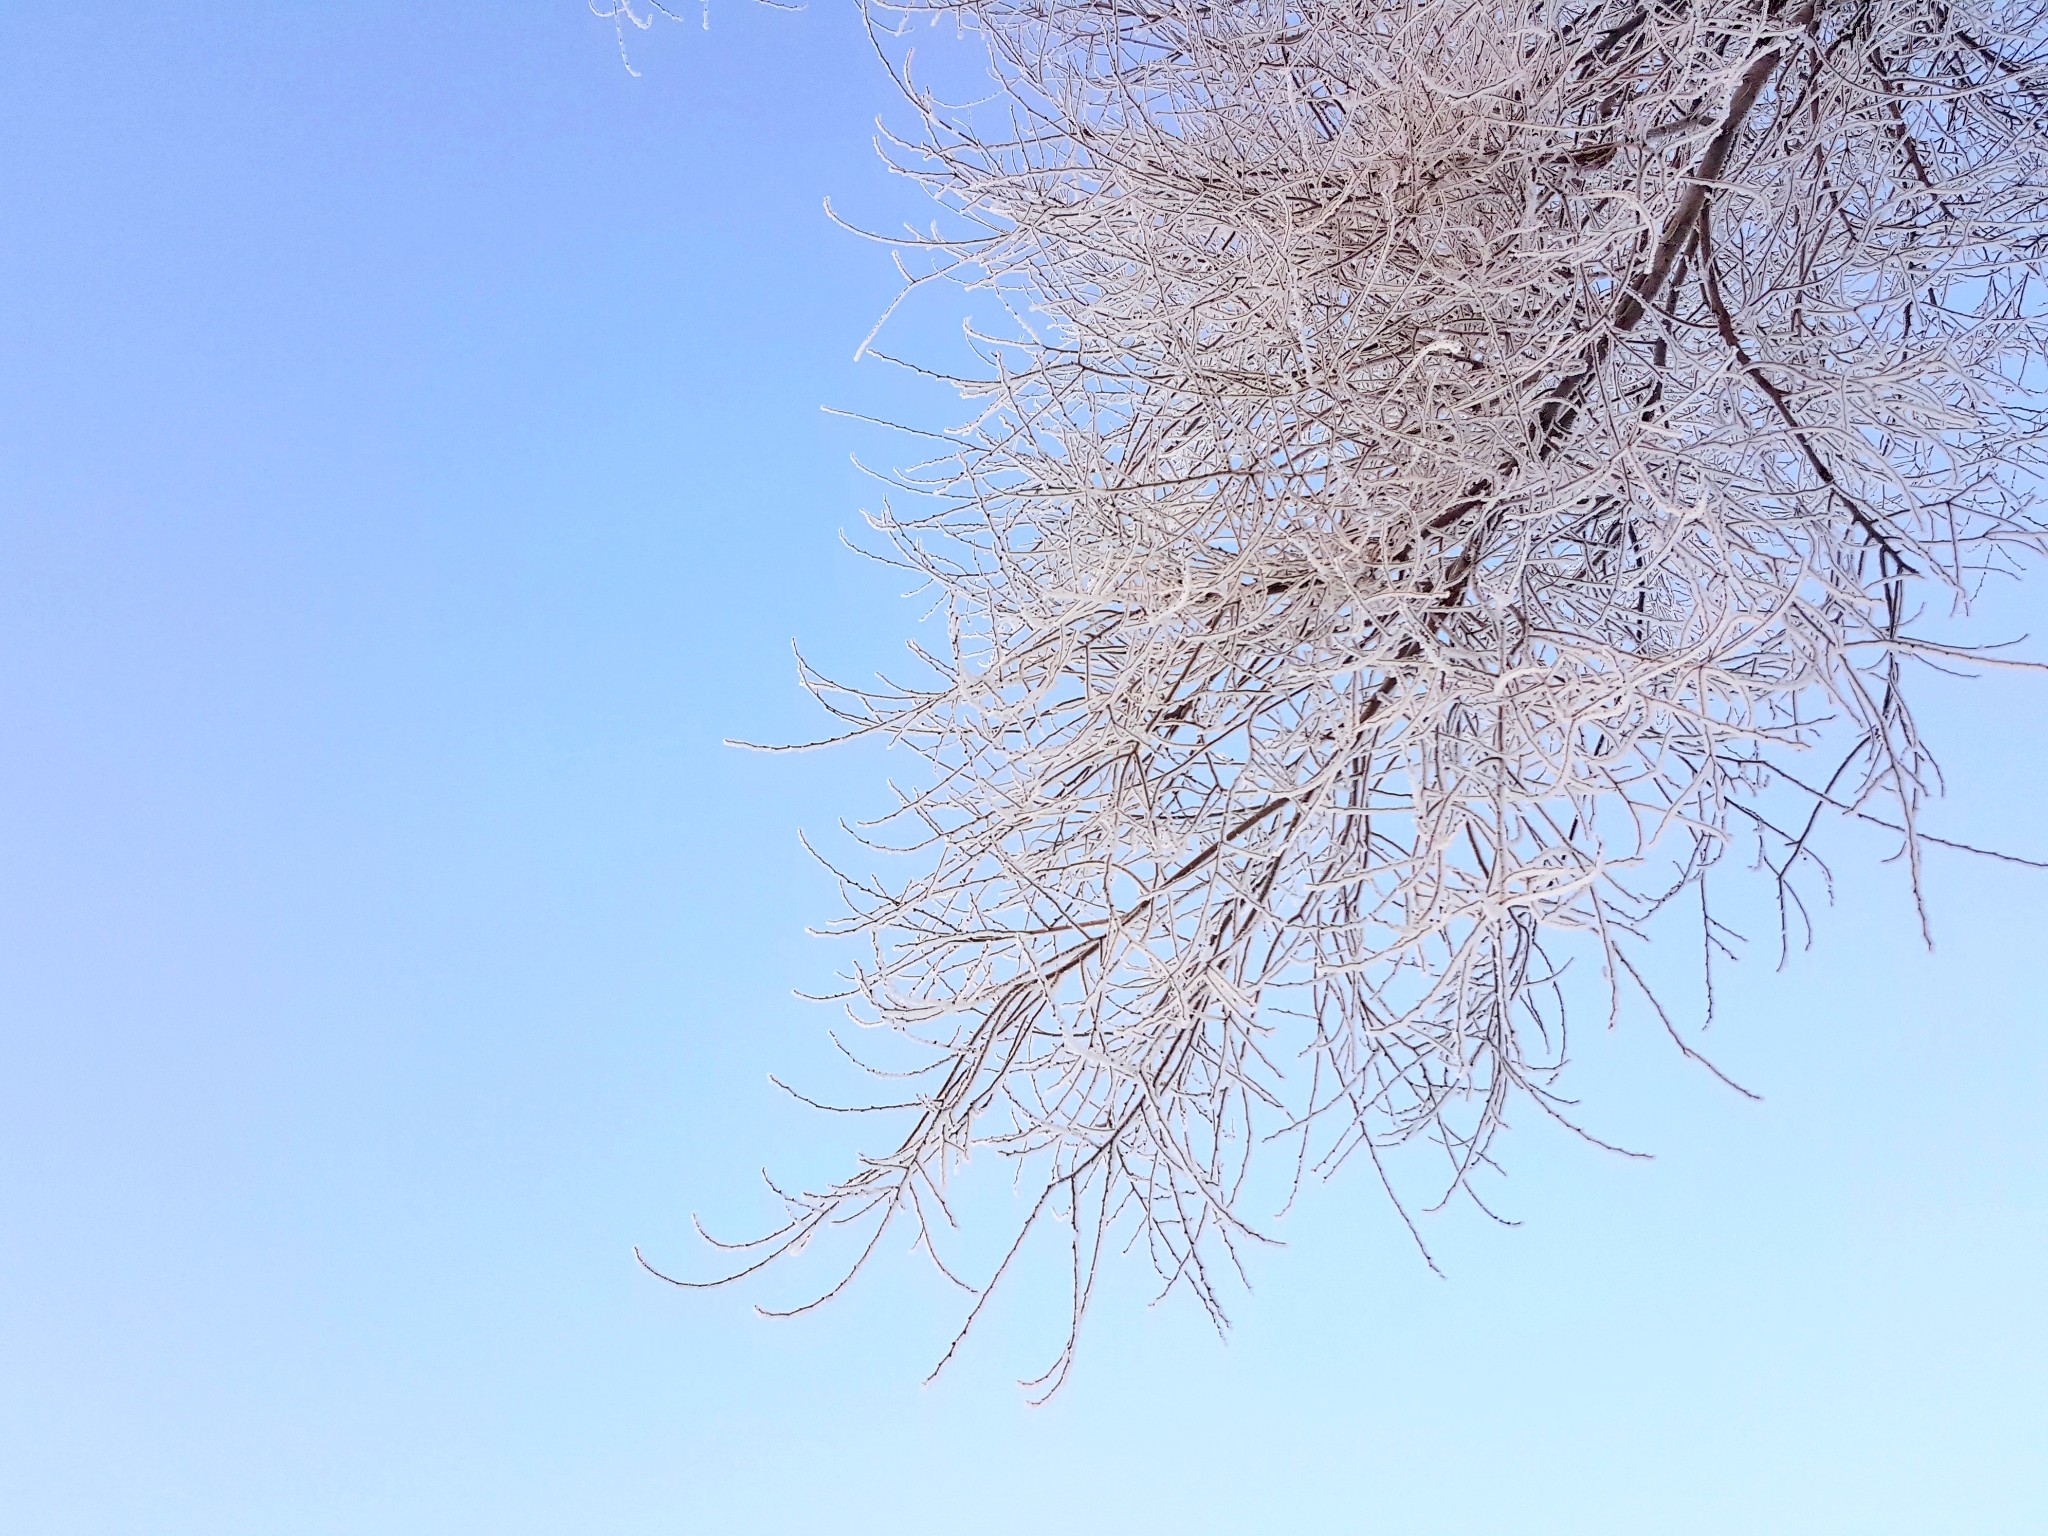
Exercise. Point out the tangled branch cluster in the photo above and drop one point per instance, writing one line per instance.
(1449, 466)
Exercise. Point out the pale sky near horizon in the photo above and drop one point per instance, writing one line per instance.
(411, 469)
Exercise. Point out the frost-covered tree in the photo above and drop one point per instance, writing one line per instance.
(1453, 472)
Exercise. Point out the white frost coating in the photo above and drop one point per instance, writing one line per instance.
(1458, 469)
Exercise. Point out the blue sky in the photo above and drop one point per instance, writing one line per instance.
(410, 470)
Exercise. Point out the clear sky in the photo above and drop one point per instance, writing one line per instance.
(410, 469)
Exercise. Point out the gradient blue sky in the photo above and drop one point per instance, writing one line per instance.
(410, 469)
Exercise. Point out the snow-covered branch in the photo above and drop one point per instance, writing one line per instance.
(1452, 462)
